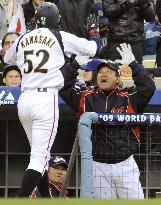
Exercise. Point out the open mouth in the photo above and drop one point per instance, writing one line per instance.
(104, 81)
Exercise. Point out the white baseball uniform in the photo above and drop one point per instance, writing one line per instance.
(112, 181)
(40, 57)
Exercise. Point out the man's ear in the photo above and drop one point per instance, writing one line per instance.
(4, 80)
(120, 82)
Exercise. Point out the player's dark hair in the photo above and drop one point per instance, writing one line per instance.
(7, 34)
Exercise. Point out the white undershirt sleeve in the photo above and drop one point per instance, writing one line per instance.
(10, 55)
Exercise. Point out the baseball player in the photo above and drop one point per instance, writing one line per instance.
(39, 56)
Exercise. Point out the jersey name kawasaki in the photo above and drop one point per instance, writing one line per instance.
(37, 66)
(37, 39)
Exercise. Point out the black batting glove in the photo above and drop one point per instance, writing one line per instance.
(92, 27)
(31, 25)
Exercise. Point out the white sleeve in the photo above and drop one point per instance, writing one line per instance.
(79, 46)
(10, 55)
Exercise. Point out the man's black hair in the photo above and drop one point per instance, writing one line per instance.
(8, 68)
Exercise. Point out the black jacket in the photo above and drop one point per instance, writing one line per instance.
(53, 189)
(158, 53)
(2, 66)
(158, 9)
(73, 15)
(126, 23)
(112, 144)
(29, 12)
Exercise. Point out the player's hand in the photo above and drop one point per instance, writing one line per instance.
(92, 26)
(126, 54)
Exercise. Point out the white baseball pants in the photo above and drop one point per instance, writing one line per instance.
(120, 180)
(38, 113)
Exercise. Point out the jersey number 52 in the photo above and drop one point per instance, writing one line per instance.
(27, 59)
